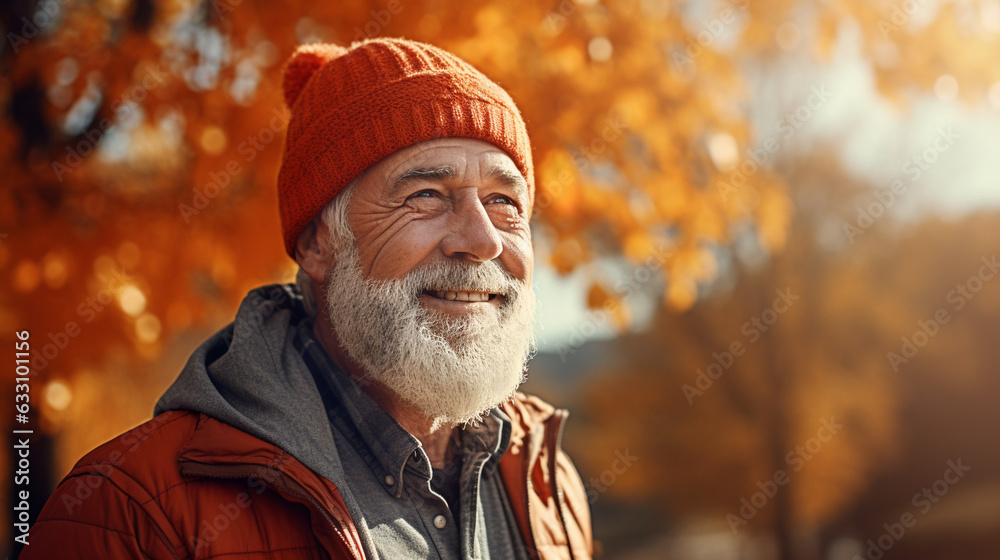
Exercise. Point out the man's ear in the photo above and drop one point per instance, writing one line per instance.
(313, 253)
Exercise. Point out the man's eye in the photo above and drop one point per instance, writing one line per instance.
(504, 200)
(423, 194)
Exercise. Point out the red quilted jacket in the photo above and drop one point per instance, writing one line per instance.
(185, 485)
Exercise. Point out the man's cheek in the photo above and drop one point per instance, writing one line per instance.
(518, 258)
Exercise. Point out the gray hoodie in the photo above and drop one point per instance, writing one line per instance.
(250, 376)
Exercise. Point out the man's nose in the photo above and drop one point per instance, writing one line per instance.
(472, 235)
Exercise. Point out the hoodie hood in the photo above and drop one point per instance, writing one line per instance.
(250, 376)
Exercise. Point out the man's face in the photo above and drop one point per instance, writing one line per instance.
(443, 199)
(434, 299)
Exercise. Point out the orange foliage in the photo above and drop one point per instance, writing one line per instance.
(143, 140)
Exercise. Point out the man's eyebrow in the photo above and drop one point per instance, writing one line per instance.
(504, 175)
(442, 173)
(508, 177)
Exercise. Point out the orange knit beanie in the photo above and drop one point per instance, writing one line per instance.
(352, 107)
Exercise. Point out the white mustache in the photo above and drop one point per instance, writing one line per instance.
(488, 276)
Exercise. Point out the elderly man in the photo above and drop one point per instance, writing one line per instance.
(369, 410)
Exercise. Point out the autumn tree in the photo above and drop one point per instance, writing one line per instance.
(143, 138)
(768, 407)
(945, 270)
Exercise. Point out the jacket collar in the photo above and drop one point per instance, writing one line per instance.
(218, 450)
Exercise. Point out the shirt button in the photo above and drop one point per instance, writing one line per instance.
(440, 522)
(389, 480)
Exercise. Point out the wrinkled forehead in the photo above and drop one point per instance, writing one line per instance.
(449, 159)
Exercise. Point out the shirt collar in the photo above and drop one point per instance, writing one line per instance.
(383, 444)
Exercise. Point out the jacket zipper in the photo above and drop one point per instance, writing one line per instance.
(560, 415)
(555, 478)
(235, 472)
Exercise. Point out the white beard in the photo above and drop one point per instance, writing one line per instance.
(452, 369)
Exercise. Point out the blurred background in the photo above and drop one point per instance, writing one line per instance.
(766, 238)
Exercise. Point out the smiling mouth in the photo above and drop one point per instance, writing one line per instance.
(458, 295)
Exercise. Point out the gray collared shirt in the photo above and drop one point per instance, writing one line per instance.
(390, 476)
